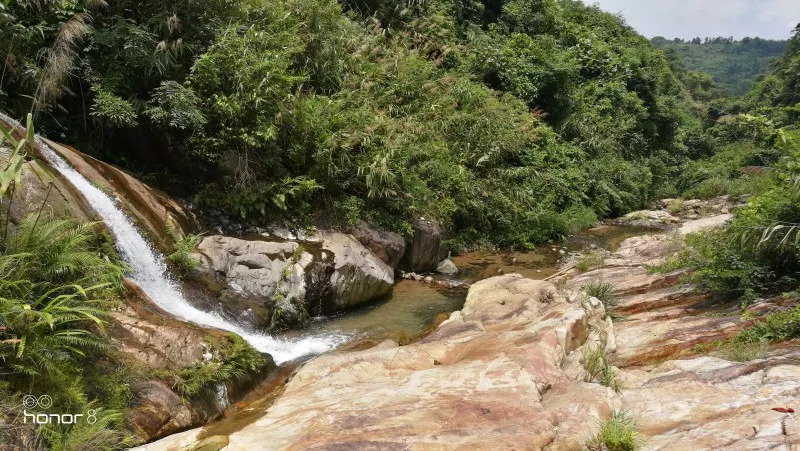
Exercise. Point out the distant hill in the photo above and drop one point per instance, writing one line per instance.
(733, 64)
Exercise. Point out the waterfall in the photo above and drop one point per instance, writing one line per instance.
(148, 269)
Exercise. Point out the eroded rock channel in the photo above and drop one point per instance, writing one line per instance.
(508, 371)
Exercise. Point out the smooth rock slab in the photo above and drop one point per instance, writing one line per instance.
(490, 377)
(711, 403)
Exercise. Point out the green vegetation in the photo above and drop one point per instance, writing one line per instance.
(512, 123)
(741, 351)
(55, 287)
(757, 154)
(602, 290)
(590, 261)
(675, 206)
(780, 326)
(181, 260)
(752, 342)
(595, 362)
(232, 359)
(732, 64)
(617, 433)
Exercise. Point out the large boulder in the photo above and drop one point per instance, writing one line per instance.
(358, 275)
(388, 246)
(279, 283)
(268, 277)
(425, 251)
(42, 189)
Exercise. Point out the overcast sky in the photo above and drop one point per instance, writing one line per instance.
(772, 19)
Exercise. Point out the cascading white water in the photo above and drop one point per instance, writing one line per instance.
(149, 271)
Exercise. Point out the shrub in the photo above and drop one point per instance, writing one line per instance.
(604, 291)
(617, 433)
(56, 283)
(675, 206)
(181, 260)
(595, 362)
(780, 326)
(233, 358)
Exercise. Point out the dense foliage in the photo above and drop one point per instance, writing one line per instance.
(512, 122)
(758, 154)
(732, 64)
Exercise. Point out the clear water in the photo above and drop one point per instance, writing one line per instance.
(149, 271)
(405, 316)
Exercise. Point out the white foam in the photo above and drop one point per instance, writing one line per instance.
(149, 270)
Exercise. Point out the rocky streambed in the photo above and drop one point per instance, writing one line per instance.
(508, 371)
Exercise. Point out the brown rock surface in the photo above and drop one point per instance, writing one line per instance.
(490, 377)
(150, 337)
(424, 252)
(153, 211)
(505, 373)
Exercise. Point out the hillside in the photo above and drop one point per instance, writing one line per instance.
(521, 223)
(733, 65)
(510, 126)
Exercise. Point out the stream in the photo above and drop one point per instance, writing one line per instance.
(415, 308)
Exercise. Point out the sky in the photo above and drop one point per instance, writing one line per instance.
(769, 19)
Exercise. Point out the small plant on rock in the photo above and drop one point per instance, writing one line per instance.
(604, 291)
(595, 362)
(181, 260)
(675, 206)
(740, 351)
(589, 262)
(617, 433)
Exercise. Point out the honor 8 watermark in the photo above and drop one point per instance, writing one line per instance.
(44, 402)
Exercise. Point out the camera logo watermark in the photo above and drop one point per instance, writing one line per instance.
(44, 402)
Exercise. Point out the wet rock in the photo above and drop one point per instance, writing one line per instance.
(142, 332)
(43, 189)
(213, 443)
(159, 411)
(261, 274)
(153, 211)
(424, 253)
(387, 246)
(489, 377)
(447, 267)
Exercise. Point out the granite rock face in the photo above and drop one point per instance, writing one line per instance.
(508, 372)
(277, 283)
(424, 252)
(387, 246)
(493, 376)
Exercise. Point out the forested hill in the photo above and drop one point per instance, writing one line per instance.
(511, 122)
(733, 65)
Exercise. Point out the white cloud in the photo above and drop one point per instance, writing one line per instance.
(690, 18)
